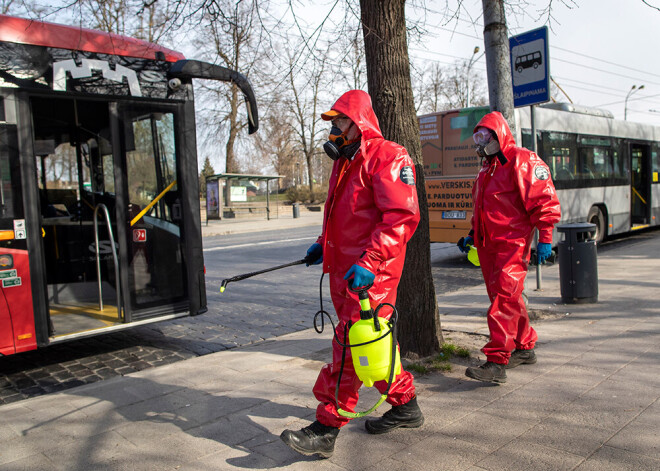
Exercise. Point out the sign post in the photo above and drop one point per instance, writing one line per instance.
(530, 74)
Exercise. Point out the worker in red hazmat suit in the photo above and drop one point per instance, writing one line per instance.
(513, 194)
(370, 214)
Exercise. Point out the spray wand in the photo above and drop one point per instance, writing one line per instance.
(254, 273)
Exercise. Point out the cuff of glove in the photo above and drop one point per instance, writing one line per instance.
(369, 262)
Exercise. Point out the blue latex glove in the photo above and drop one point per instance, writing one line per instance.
(543, 251)
(361, 277)
(314, 254)
(464, 243)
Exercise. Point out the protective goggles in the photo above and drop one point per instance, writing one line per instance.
(482, 137)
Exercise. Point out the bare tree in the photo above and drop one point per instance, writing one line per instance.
(388, 71)
(352, 66)
(230, 32)
(275, 148)
(304, 106)
(445, 88)
(498, 65)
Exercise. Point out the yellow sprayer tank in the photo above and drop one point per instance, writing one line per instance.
(372, 361)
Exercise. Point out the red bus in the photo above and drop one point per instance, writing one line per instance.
(99, 204)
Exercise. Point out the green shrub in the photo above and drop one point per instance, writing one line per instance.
(301, 194)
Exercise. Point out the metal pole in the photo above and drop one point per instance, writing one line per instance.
(267, 201)
(539, 281)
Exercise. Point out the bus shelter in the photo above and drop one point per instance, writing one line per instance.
(230, 194)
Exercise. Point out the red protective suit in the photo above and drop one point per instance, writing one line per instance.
(511, 196)
(370, 214)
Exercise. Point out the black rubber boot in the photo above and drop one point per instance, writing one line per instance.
(315, 439)
(489, 372)
(521, 357)
(407, 415)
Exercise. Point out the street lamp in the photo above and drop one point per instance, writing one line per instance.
(633, 89)
(472, 61)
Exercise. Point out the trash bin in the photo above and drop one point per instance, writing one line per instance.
(296, 210)
(578, 268)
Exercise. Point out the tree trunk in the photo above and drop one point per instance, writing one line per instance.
(388, 75)
(498, 62)
(231, 165)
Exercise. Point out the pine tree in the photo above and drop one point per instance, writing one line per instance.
(207, 171)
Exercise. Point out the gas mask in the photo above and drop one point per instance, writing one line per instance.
(338, 144)
(487, 147)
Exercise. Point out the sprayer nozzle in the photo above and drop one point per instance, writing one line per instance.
(222, 289)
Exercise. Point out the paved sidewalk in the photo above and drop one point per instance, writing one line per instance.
(590, 403)
(284, 220)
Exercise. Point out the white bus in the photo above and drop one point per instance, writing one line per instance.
(605, 170)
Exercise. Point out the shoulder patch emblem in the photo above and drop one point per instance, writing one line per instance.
(407, 176)
(541, 172)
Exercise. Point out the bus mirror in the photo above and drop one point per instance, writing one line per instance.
(189, 69)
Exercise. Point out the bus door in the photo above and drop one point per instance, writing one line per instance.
(640, 185)
(77, 200)
(111, 213)
(152, 240)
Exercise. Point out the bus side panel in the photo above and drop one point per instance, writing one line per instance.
(450, 208)
(17, 297)
(450, 166)
(6, 330)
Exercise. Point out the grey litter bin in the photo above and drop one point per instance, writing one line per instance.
(296, 210)
(578, 267)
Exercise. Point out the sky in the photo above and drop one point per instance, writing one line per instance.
(599, 49)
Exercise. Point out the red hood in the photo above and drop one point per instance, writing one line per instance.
(496, 122)
(356, 104)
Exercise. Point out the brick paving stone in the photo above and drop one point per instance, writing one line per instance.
(246, 319)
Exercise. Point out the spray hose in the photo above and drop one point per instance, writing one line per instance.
(345, 344)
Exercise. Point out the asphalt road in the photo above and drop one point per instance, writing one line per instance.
(262, 307)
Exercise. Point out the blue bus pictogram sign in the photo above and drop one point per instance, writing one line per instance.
(530, 68)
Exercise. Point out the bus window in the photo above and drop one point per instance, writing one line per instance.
(559, 150)
(8, 150)
(156, 267)
(600, 158)
(620, 165)
(11, 204)
(528, 144)
(595, 158)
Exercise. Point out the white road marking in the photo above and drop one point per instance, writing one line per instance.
(254, 244)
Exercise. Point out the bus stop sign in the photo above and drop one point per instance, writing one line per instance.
(530, 69)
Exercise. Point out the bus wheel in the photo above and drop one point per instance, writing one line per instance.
(597, 217)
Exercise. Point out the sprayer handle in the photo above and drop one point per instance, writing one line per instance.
(361, 291)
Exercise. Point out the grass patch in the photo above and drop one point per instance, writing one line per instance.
(418, 368)
(441, 361)
(450, 349)
(441, 366)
